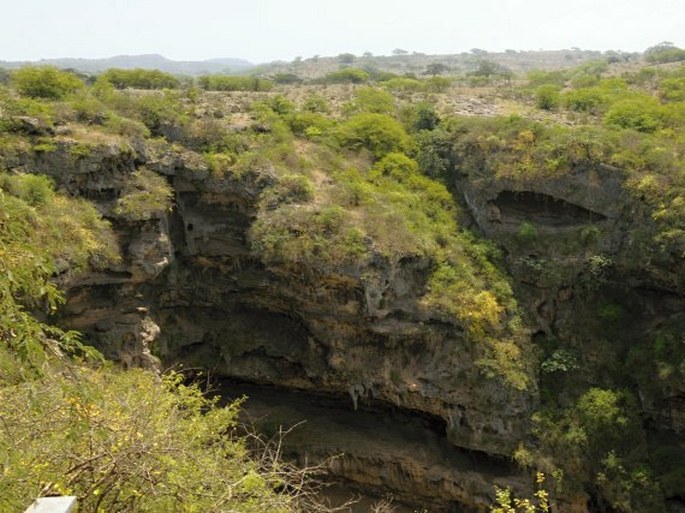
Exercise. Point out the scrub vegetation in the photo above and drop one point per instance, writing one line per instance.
(355, 167)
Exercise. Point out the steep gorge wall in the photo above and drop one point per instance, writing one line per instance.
(581, 246)
(190, 288)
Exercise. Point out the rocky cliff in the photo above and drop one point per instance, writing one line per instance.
(192, 291)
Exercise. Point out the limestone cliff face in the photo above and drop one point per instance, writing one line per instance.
(190, 287)
(582, 251)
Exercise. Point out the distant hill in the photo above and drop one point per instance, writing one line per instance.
(416, 63)
(317, 66)
(150, 61)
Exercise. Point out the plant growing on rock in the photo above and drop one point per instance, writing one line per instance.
(45, 82)
(378, 133)
(146, 195)
(118, 440)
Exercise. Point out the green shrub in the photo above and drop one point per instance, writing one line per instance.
(664, 52)
(69, 230)
(437, 84)
(140, 78)
(302, 123)
(672, 89)
(547, 97)
(590, 100)
(279, 104)
(128, 441)
(404, 85)
(527, 233)
(537, 78)
(372, 99)
(378, 133)
(420, 116)
(117, 124)
(36, 190)
(286, 78)
(642, 114)
(159, 110)
(397, 166)
(316, 103)
(146, 195)
(233, 83)
(45, 82)
(611, 312)
(291, 188)
(346, 76)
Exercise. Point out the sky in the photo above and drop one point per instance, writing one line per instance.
(267, 30)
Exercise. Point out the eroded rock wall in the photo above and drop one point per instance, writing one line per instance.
(189, 287)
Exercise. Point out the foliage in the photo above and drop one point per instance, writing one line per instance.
(403, 85)
(128, 441)
(435, 154)
(286, 78)
(346, 58)
(316, 103)
(420, 116)
(378, 133)
(664, 52)
(643, 114)
(437, 84)
(118, 440)
(505, 503)
(45, 82)
(146, 195)
(589, 99)
(233, 83)
(140, 78)
(43, 233)
(67, 230)
(547, 97)
(159, 110)
(436, 68)
(527, 233)
(372, 99)
(560, 361)
(672, 89)
(309, 124)
(598, 442)
(346, 76)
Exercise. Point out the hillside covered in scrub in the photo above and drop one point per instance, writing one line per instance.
(495, 261)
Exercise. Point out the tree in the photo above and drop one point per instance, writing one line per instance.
(346, 76)
(486, 68)
(664, 52)
(45, 82)
(346, 58)
(435, 68)
(399, 51)
(140, 78)
(286, 78)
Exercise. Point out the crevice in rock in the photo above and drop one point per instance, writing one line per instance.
(541, 209)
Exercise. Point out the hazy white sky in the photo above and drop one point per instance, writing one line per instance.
(266, 30)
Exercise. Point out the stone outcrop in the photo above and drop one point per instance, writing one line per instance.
(577, 244)
(190, 290)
